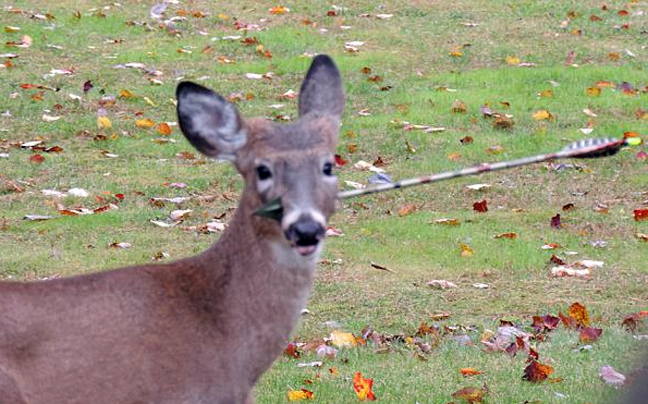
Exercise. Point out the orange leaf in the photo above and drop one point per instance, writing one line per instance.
(164, 129)
(579, 313)
(470, 372)
(470, 394)
(537, 372)
(605, 84)
(510, 235)
(407, 209)
(362, 388)
(279, 10)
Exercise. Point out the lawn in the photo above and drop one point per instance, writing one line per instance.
(87, 101)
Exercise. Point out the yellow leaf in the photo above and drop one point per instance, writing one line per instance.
(104, 123)
(456, 53)
(149, 101)
(11, 29)
(459, 107)
(546, 93)
(513, 60)
(466, 251)
(593, 91)
(542, 115)
(298, 395)
(144, 123)
(222, 16)
(342, 339)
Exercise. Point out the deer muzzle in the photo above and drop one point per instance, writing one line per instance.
(305, 234)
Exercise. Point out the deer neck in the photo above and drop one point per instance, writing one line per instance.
(269, 283)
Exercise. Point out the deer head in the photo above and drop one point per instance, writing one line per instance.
(288, 168)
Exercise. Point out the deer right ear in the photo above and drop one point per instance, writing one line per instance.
(210, 123)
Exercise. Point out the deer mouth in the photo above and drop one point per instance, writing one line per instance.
(305, 236)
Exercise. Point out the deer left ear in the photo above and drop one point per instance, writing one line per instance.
(321, 92)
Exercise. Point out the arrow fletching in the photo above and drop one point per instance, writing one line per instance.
(601, 147)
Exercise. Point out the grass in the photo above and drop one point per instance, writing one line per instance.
(411, 53)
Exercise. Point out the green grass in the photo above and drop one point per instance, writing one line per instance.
(411, 52)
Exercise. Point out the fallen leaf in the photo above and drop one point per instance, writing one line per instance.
(441, 284)
(342, 339)
(611, 376)
(120, 245)
(556, 223)
(104, 123)
(144, 123)
(470, 372)
(36, 159)
(589, 334)
(362, 387)
(593, 91)
(578, 312)
(466, 251)
(537, 372)
(481, 206)
(640, 214)
(278, 10)
(298, 395)
(470, 395)
(164, 129)
(542, 115)
(546, 93)
(448, 222)
(510, 235)
(567, 271)
(407, 209)
(478, 187)
(459, 107)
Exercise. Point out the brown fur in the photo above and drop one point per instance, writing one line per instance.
(199, 330)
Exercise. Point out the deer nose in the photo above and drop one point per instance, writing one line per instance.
(305, 234)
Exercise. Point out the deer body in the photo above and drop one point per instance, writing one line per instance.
(205, 328)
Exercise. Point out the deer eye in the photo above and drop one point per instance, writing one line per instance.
(263, 172)
(328, 169)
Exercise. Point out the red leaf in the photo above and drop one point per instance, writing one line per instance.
(37, 159)
(589, 334)
(339, 161)
(292, 351)
(640, 214)
(481, 206)
(87, 86)
(556, 222)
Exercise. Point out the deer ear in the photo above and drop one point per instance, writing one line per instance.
(321, 92)
(210, 123)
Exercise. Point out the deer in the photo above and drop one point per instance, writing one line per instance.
(201, 329)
